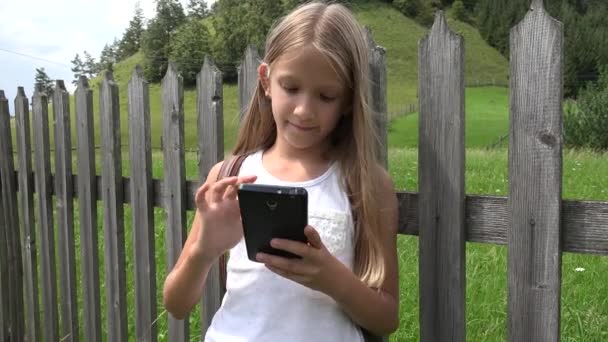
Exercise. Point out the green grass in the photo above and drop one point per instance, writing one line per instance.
(399, 35)
(486, 120)
(584, 303)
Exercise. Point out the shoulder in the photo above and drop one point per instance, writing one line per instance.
(214, 172)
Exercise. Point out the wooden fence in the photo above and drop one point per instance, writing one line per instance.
(533, 220)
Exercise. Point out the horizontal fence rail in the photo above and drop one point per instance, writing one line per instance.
(584, 226)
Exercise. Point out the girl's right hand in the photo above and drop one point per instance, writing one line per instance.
(220, 216)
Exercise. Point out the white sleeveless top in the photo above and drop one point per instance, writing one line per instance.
(262, 306)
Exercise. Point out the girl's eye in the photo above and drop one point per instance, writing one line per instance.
(327, 98)
(290, 90)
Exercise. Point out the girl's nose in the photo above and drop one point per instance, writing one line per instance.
(305, 107)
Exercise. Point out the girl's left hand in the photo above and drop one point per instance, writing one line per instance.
(315, 269)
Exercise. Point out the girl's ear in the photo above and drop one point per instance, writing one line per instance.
(264, 75)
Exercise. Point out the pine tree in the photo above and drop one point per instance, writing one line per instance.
(43, 81)
(131, 40)
(90, 66)
(78, 68)
(107, 58)
(157, 38)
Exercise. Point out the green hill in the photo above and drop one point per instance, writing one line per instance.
(398, 34)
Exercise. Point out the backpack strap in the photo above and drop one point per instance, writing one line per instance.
(230, 167)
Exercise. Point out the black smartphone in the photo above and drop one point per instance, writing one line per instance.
(270, 211)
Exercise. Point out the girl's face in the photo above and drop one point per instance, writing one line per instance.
(307, 98)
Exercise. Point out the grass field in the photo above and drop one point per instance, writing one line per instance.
(584, 300)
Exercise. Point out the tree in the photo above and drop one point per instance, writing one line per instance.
(197, 9)
(157, 38)
(43, 81)
(90, 66)
(107, 58)
(78, 68)
(131, 39)
(188, 49)
(239, 23)
(585, 33)
(459, 11)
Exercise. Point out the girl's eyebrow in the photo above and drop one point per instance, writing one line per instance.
(328, 86)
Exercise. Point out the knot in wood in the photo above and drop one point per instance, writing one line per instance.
(547, 138)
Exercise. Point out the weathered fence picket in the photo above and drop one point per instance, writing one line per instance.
(46, 232)
(441, 201)
(378, 99)
(26, 203)
(535, 177)
(211, 150)
(5, 315)
(533, 221)
(248, 78)
(142, 208)
(113, 211)
(11, 243)
(175, 180)
(64, 201)
(87, 210)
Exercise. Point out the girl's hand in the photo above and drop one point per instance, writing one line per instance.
(316, 268)
(221, 220)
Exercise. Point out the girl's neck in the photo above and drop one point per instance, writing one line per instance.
(295, 165)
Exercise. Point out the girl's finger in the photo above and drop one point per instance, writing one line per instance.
(217, 190)
(314, 239)
(230, 193)
(295, 247)
(246, 179)
(199, 197)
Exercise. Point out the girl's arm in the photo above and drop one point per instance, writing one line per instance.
(216, 228)
(184, 285)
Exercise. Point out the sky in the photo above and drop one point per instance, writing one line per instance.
(48, 34)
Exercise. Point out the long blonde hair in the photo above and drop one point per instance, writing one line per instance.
(333, 31)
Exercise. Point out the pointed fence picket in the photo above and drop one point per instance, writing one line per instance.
(534, 222)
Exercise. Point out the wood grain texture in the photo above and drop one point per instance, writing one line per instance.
(535, 178)
(142, 207)
(26, 203)
(64, 206)
(175, 180)
(10, 235)
(441, 202)
(46, 233)
(86, 186)
(113, 211)
(378, 99)
(248, 78)
(211, 151)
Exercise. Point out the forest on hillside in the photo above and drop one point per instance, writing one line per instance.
(224, 29)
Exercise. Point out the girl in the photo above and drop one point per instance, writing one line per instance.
(308, 125)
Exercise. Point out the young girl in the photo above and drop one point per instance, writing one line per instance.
(308, 125)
